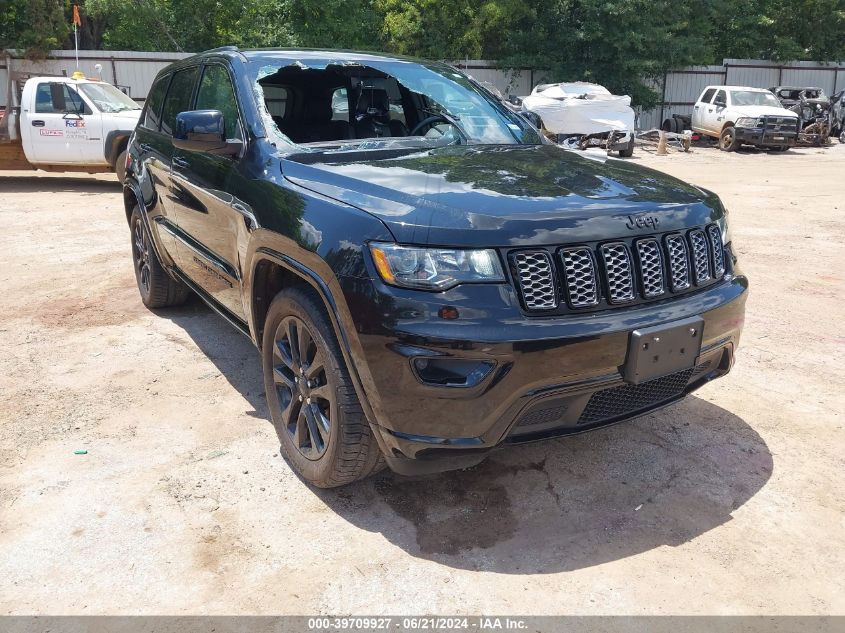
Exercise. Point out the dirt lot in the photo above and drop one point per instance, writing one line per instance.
(732, 501)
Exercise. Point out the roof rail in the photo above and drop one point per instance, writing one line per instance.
(220, 49)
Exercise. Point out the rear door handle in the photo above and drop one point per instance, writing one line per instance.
(38, 123)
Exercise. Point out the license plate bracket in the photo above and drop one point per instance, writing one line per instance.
(658, 351)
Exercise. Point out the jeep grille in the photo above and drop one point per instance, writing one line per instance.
(609, 274)
(536, 280)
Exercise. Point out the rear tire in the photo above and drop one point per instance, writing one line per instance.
(628, 151)
(323, 431)
(727, 140)
(157, 288)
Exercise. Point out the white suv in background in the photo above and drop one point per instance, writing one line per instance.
(738, 115)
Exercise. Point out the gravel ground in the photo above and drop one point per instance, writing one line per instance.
(728, 502)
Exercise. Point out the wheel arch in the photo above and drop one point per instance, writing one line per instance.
(727, 125)
(132, 197)
(271, 273)
(116, 141)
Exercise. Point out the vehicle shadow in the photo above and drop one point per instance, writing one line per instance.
(234, 355)
(575, 502)
(50, 183)
(565, 504)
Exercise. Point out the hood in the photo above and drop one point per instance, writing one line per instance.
(757, 110)
(128, 115)
(504, 195)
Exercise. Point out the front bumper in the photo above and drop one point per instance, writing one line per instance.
(765, 137)
(542, 377)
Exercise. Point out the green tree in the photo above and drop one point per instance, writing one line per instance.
(335, 24)
(621, 43)
(34, 26)
(781, 30)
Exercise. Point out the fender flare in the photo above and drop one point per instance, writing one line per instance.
(324, 292)
(131, 186)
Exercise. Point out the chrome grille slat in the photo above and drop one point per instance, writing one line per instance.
(716, 250)
(617, 266)
(534, 271)
(579, 273)
(651, 267)
(700, 259)
(679, 274)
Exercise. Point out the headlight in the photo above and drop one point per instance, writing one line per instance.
(746, 122)
(434, 268)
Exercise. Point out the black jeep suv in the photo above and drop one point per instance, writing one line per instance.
(426, 277)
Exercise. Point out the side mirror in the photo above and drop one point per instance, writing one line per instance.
(203, 131)
(533, 118)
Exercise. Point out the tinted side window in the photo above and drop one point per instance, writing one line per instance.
(152, 115)
(707, 97)
(216, 93)
(178, 97)
(58, 98)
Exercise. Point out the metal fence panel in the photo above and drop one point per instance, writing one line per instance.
(136, 70)
(132, 70)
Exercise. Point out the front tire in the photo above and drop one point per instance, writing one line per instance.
(120, 166)
(628, 151)
(727, 140)
(324, 434)
(157, 288)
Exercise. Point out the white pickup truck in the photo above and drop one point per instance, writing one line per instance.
(738, 115)
(66, 124)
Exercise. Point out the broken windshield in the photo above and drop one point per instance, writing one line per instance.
(754, 98)
(336, 105)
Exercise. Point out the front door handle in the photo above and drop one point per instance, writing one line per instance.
(38, 123)
(179, 162)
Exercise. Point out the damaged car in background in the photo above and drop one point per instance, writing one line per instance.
(813, 109)
(581, 115)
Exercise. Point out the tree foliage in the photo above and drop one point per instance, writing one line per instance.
(620, 43)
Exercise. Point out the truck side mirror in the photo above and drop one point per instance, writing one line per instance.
(533, 118)
(203, 131)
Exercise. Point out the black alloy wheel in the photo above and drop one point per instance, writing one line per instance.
(305, 396)
(325, 436)
(141, 256)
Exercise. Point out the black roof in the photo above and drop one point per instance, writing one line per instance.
(321, 56)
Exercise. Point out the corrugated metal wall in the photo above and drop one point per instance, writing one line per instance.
(132, 70)
(136, 70)
(517, 81)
